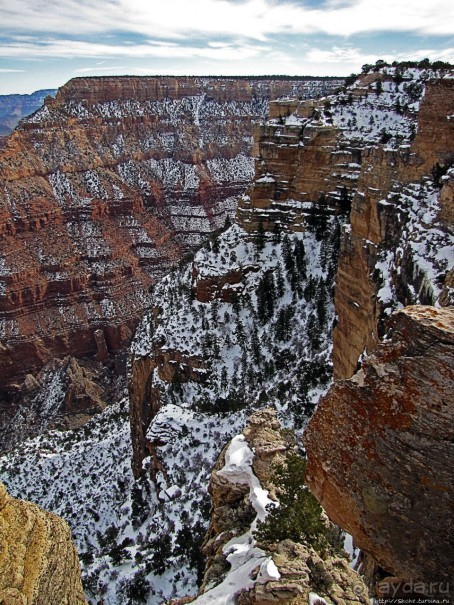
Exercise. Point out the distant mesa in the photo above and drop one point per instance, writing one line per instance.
(15, 107)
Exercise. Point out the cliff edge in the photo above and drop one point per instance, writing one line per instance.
(380, 449)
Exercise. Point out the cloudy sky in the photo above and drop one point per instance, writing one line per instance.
(44, 43)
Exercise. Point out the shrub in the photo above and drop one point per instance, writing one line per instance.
(298, 516)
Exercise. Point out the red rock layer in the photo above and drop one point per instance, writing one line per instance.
(102, 190)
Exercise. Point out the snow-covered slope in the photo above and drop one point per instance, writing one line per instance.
(272, 345)
(413, 271)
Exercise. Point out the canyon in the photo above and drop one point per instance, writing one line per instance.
(14, 107)
(106, 187)
(355, 190)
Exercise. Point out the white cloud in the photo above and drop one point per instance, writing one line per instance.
(253, 19)
(76, 48)
(10, 71)
(433, 54)
(88, 70)
(346, 55)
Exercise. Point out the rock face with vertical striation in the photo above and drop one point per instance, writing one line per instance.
(380, 448)
(38, 560)
(400, 223)
(103, 189)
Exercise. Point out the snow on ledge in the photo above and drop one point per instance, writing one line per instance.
(241, 551)
(238, 469)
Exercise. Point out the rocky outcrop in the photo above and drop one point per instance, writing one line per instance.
(298, 569)
(294, 164)
(379, 446)
(64, 395)
(372, 152)
(103, 189)
(38, 560)
(232, 511)
(305, 576)
(144, 398)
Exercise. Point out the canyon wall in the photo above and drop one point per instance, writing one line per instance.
(382, 247)
(38, 563)
(14, 107)
(363, 156)
(103, 189)
(248, 323)
(376, 152)
(379, 450)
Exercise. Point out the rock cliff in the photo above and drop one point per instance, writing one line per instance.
(65, 394)
(226, 331)
(378, 148)
(248, 323)
(399, 224)
(38, 562)
(379, 449)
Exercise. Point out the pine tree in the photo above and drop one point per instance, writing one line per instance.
(175, 385)
(299, 253)
(236, 304)
(266, 296)
(309, 290)
(224, 378)
(216, 348)
(283, 329)
(277, 233)
(280, 282)
(215, 245)
(240, 335)
(298, 516)
(256, 350)
(287, 253)
(260, 237)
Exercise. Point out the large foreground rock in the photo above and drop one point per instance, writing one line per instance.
(380, 449)
(300, 569)
(38, 561)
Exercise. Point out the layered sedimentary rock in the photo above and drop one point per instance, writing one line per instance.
(144, 397)
(38, 560)
(103, 189)
(65, 394)
(315, 158)
(383, 209)
(379, 449)
(14, 107)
